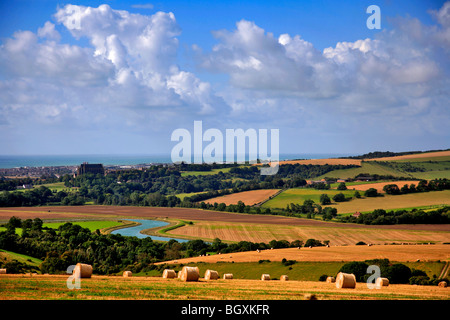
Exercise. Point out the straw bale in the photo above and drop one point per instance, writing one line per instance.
(382, 282)
(442, 284)
(83, 270)
(284, 278)
(190, 274)
(127, 274)
(265, 277)
(228, 276)
(169, 274)
(331, 280)
(211, 275)
(345, 280)
(2, 271)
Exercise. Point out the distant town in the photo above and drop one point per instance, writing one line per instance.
(57, 171)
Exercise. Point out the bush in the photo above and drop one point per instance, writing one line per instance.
(398, 273)
(371, 192)
(323, 277)
(361, 243)
(313, 243)
(287, 263)
(420, 280)
(359, 269)
(340, 197)
(342, 186)
(324, 199)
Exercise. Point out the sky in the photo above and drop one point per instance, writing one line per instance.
(118, 77)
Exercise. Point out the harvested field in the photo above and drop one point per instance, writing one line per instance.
(52, 287)
(400, 253)
(330, 161)
(340, 234)
(250, 198)
(379, 185)
(415, 156)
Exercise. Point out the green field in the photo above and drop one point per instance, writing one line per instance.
(299, 271)
(364, 204)
(54, 187)
(91, 225)
(367, 167)
(299, 195)
(20, 257)
(204, 173)
(183, 195)
(424, 168)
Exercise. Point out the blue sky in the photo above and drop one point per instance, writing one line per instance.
(135, 71)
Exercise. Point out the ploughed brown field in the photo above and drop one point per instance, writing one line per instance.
(401, 253)
(122, 212)
(250, 198)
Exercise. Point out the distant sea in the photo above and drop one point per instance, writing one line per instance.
(13, 161)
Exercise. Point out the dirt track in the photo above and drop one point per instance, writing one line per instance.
(115, 212)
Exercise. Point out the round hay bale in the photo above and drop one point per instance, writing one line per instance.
(331, 280)
(211, 275)
(382, 282)
(442, 284)
(2, 271)
(284, 278)
(228, 276)
(127, 274)
(169, 274)
(83, 270)
(265, 277)
(345, 280)
(190, 274)
(179, 274)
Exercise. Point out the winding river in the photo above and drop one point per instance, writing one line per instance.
(145, 224)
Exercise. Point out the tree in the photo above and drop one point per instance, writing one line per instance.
(342, 186)
(398, 273)
(371, 192)
(340, 197)
(359, 269)
(329, 213)
(324, 199)
(391, 189)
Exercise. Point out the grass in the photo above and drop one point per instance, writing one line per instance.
(364, 204)
(91, 225)
(389, 202)
(299, 195)
(367, 167)
(54, 187)
(204, 173)
(184, 195)
(300, 271)
(20, 257)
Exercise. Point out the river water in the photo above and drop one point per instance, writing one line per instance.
(145, 224)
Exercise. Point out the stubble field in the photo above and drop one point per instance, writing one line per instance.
(48, 287)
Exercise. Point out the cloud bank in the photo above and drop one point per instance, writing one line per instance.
(394, 85)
